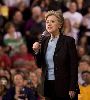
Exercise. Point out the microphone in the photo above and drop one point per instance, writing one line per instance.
(42, 36)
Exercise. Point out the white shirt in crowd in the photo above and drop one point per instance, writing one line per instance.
(11, 3)
(16, 35)
(75, 18)
(86, 21)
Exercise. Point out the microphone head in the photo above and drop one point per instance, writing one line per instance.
(44, 34)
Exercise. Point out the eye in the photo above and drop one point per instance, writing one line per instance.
(53, 21)
(47, 22)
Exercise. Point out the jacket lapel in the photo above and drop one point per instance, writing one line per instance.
(59, 43)
(46, 44)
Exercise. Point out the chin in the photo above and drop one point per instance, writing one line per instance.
(50, 31)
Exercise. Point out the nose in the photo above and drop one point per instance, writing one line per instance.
(49, 23)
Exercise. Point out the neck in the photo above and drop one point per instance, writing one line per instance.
(72, 12)
(55, 34)
(11, 33)
(66, 30)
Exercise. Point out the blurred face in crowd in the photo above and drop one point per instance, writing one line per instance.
(11, 29)
(72, 7)
(7, 74)
(4, 81)
(1, 50)
(36, 12)
(67, 23)
(2, 73)
(83, 40)
(18, 80)
(86, 77)
(34, 78)
(47, 2)
(52, 25)
(84, 66)
(38, 72)
(81, 51)
(21, 6)
(23, 49)
(12, 71)
(18, 17)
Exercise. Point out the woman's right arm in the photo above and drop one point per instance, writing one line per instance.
(37, 49)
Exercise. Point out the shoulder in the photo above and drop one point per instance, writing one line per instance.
(44, 39)
(9, 94)
(11, 90)
(65, 13)
(6, 36)
(68, 39)
(78, 14)
(28, 90)
(18, 33)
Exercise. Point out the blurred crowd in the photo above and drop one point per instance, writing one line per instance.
(21, 24)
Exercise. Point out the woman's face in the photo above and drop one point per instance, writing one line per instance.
(11, 29)
(52, 24)
(34, 78)
(83, 66)
(67, 23)
(18, 80)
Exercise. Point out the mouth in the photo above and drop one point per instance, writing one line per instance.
(49, 28)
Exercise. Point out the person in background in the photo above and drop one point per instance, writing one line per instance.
(19, 91)
(34, 27)
(36, 21)
(5, 61)
(74, 17)
(81, 6)
(84, 65)
(18, 21)
(86, 20)
(85, 89)
(68, 30)
(81, 52)
(2, 90)
(36, 85)
(24, 59)
(12, 38)
(22, 7)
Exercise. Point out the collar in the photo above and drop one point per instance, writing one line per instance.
(52, 37)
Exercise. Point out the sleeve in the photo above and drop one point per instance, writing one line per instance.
(9, 95)
(31, 95)
(73, 64)
(38, 59)
(39, 56)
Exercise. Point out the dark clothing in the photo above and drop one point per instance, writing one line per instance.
(65, 65)
(11, 93)
(49, 90)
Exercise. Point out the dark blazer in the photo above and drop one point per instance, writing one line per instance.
(11, 93)
(65, 64)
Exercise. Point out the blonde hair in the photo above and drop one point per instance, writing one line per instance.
(58, 14)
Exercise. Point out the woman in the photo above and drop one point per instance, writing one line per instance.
(36, 85)
(68, 31)
(12, 38)
(58, 58)
(19, 91)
